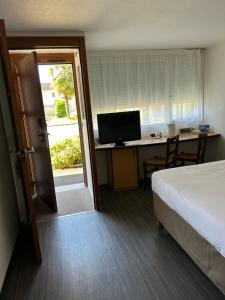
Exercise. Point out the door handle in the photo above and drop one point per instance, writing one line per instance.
(20, 154)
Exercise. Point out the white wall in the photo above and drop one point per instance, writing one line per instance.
(214, 94)
(9, 221)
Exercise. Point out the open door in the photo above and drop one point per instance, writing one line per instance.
(21, 154)
(35, 129)
(87, 132)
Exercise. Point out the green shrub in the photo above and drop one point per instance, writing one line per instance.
(73, 117)
(60, 108)
(66, 153)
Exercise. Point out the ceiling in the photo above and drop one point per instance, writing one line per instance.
(122, 24)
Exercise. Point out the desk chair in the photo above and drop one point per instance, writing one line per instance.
(197, 157)
(172, 147)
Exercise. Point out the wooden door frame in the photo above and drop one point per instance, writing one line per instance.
(14, 111)
(34, 43)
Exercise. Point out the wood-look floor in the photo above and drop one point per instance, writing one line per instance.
(116, 254)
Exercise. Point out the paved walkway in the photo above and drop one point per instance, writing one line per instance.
(65, 172)
(68, 179)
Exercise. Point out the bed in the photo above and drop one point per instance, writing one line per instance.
(189, 202)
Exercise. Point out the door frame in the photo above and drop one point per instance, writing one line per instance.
(32, 43)
(12, 105)
(14, 154)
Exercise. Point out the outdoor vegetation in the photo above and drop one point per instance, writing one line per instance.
(73, 117)
(66, 154)
(62, 83)
(64, 142)
(60, 108)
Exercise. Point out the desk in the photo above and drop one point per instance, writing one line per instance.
(184, 137)
(122, 162)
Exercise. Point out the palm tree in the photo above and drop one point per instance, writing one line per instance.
(63, 83)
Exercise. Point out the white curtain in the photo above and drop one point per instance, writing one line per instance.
(164, 85)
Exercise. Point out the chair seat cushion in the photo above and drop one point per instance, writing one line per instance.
(187, 156)
(156, 161)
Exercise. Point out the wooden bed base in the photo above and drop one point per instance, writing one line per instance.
(208, 259)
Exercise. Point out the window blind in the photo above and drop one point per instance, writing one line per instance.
(164, 85)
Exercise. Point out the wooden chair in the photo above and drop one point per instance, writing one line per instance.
(172, 147)
(197, 157)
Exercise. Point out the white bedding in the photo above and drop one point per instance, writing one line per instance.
(197, 194)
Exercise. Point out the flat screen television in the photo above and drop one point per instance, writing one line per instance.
(119, 127)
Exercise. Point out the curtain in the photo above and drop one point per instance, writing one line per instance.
(166, 85)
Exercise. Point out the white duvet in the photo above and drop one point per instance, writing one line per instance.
(197, 194)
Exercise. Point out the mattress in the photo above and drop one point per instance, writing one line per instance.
(197, 194)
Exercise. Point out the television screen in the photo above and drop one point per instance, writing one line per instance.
(119, 127)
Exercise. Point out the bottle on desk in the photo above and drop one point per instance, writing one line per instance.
(159, 134)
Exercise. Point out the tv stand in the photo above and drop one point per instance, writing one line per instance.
(120, 144)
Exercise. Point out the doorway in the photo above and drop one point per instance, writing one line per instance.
(65, 138)
(20, 114)
(65, 134)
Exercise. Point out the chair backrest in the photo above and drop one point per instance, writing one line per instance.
(172, 150)
(202, 142)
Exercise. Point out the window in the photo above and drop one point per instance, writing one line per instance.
(164, 85)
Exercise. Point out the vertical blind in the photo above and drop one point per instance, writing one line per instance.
(164, 85)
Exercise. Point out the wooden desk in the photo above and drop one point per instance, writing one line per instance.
(123, 161)
(184, 137)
